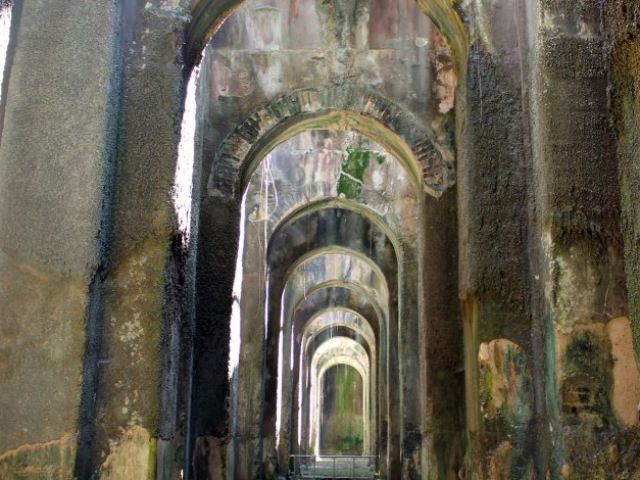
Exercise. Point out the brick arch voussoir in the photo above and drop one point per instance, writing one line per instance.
(434, 162)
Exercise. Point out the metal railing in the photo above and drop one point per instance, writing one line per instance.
(334, 466)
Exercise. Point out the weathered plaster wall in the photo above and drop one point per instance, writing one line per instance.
(136, 415)
(538, 182)
(581, 250)
(494, 196)
(56, 155)
(623, 48)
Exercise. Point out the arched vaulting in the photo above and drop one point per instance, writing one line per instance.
(330, 182)
(342, 295)
(356, 109)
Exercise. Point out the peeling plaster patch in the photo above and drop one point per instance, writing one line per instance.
(584, 374)
(265, 23)
(547, 22)
(270, 75)
(53, 459)
(131, 330)
(587, 31)
(170, 5)
(446, 77)
(499, 461)
(506, 387)
(130, 456)
(482, 23)
(42, 341)
(574, 289)
(626, 378)
(135, 331)
(447, 81)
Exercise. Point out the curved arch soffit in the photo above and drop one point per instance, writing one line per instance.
(382, 314)
(351, 319)
(382, 317)
(410, 141)
(208, 15)
(386, 218)
(332, 361)
(341, 360)
(301, 264)
(337, 349)
(339, 204)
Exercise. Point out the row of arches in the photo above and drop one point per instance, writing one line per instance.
(329, 253)
(323, 190)
(321, 172)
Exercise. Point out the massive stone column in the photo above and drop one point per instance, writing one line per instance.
(494, 216)
(56, 158)
(137, 392)
(623, 35)
(581, 248)
(442, 370)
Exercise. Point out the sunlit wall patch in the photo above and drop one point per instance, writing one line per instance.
(5, 31)
(183, 182)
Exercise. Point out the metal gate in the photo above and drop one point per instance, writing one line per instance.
(334, 466)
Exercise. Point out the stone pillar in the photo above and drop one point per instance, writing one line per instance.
(408, 332)
(217, 256)
(623, 37)
(135, 419)
(495, 214)
(582, 268)
(250, 399)
(441, 365)
(56, 159)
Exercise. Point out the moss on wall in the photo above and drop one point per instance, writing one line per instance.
(354, 164)
(342, 422)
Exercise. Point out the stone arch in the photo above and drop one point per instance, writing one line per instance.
(336, 351)
(290, 305)
(353, 108)
(292, 324)
(357, 323)
(379, 311)
(302, 316)
(318, 379)
(400, 316)
(358, 257)
(351, 317)
(339, 203)
(308, 168)
(359, 109)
